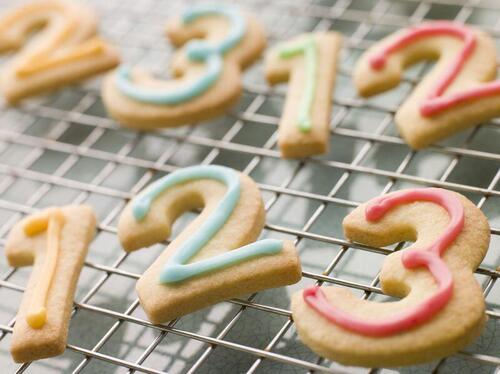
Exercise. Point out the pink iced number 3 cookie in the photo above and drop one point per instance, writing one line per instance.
(442, 306)
(218, 43)
(216, 257)
(459, 92)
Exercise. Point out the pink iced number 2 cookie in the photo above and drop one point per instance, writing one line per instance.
(442, 306)
(460, 90)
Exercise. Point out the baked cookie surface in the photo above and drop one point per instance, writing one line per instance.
(66, 47)
(459, 91)
(55, 241)
(216, 257)
(309, 63)
(441, 307)
(217, 43)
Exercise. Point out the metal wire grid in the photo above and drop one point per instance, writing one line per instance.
(23, 145)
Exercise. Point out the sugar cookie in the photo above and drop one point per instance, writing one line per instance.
(207, 71)
(55, 242)
(216, 256)
(64, 51)
(309, 63)
(458, 93)
(442, 307)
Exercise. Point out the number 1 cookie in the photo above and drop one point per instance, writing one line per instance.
(308, 62)
(218, 42)
(442, 306)
(216, 257)
(65, 50)
(55, 241)
(458, 93)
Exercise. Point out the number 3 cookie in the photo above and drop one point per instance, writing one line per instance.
(207, 71)
(458, 93)
(55, 241)
(64, 51)
(442, 307)
(216, 257)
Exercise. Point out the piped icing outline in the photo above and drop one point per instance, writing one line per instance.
(176, 269)
(429, 257)
(437, 102)
(52, 222)
(197, 51)
(309, 50)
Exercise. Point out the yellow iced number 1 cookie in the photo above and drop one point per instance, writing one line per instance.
(64, 51)
(207, 71)
(309, 63)
(55, 241)
(216, 256)
(460, 90)
(442, 306)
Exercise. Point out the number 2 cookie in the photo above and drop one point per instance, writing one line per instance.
(218, 42)
(309, 63)
(55, 241)
(458, 93)
(65, 50)
(216, 257)
(441, 309)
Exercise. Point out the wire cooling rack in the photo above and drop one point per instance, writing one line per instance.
(62, 149)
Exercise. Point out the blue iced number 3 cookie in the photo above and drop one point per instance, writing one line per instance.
(218, 42)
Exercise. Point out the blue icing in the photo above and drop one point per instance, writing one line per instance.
(196, 50)
(181, 94)
(175, 270)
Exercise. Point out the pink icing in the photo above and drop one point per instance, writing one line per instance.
(430, 257)
(435, 102)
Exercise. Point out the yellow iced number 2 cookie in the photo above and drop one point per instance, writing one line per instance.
(207, 71)
(55, 241)
(216, 256)
(442, 306)
(309, 63)
(65, 50)
(459, 92)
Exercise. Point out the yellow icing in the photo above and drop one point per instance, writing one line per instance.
(53, 222)
(47, 55)
(91, 47)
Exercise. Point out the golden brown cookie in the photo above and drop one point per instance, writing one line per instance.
(55, 241)
(460, 90)
(308, 62)
(441, 307)
(217, 43)
(216, 256)
(66, 49)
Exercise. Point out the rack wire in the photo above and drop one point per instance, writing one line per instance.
(62, 149)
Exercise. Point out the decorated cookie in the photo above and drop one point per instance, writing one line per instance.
(458, 93)
(218, 42)
(308, 62)
(65, 50)
(442, 306)
(216, 257)
(55, 242)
